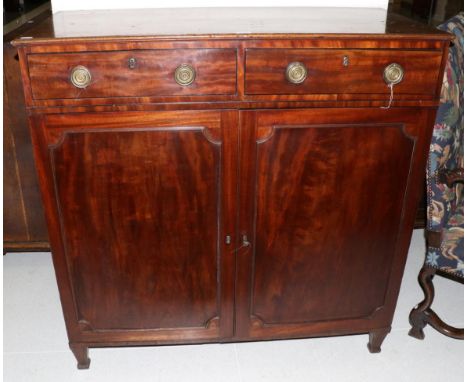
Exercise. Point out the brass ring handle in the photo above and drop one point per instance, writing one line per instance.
(80, 77)
(296, 73)
(393, 74)
(184, 75)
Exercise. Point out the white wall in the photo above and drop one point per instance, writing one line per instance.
(68, 5)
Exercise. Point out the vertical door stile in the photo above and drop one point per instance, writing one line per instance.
(246, 186)
(227, 239)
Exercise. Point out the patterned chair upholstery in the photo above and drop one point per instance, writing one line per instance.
(444, 174)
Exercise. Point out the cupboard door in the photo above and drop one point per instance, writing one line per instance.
(324, 200)
(142, 200)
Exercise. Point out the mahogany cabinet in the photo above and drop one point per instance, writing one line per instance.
(203, 184)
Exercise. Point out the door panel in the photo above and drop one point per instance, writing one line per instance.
(324, 209)
(315, 213)
(141, 211)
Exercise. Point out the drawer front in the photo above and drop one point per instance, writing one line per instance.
(333, 71)
(133, 73)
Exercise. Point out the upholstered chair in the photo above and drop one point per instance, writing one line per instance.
(444, 230)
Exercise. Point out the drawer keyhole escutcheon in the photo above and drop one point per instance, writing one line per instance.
(345, 61)
(296, 73)
(80, 77)
(184, 75)
(132, 63)
(393, 74)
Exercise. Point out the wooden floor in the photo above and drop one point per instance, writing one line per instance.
(35, 342)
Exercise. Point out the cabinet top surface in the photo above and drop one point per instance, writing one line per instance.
(227, 23)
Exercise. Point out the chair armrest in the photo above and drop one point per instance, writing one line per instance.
(433, 238)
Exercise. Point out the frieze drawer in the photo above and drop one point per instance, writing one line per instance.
(335, 71)
(139, 73)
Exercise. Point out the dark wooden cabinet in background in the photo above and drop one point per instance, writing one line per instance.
(24, 226)
(203, 184)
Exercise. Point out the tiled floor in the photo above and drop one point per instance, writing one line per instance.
(35, 343)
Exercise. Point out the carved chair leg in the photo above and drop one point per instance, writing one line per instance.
(81, 354)
(376, 338)
(418, 316)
